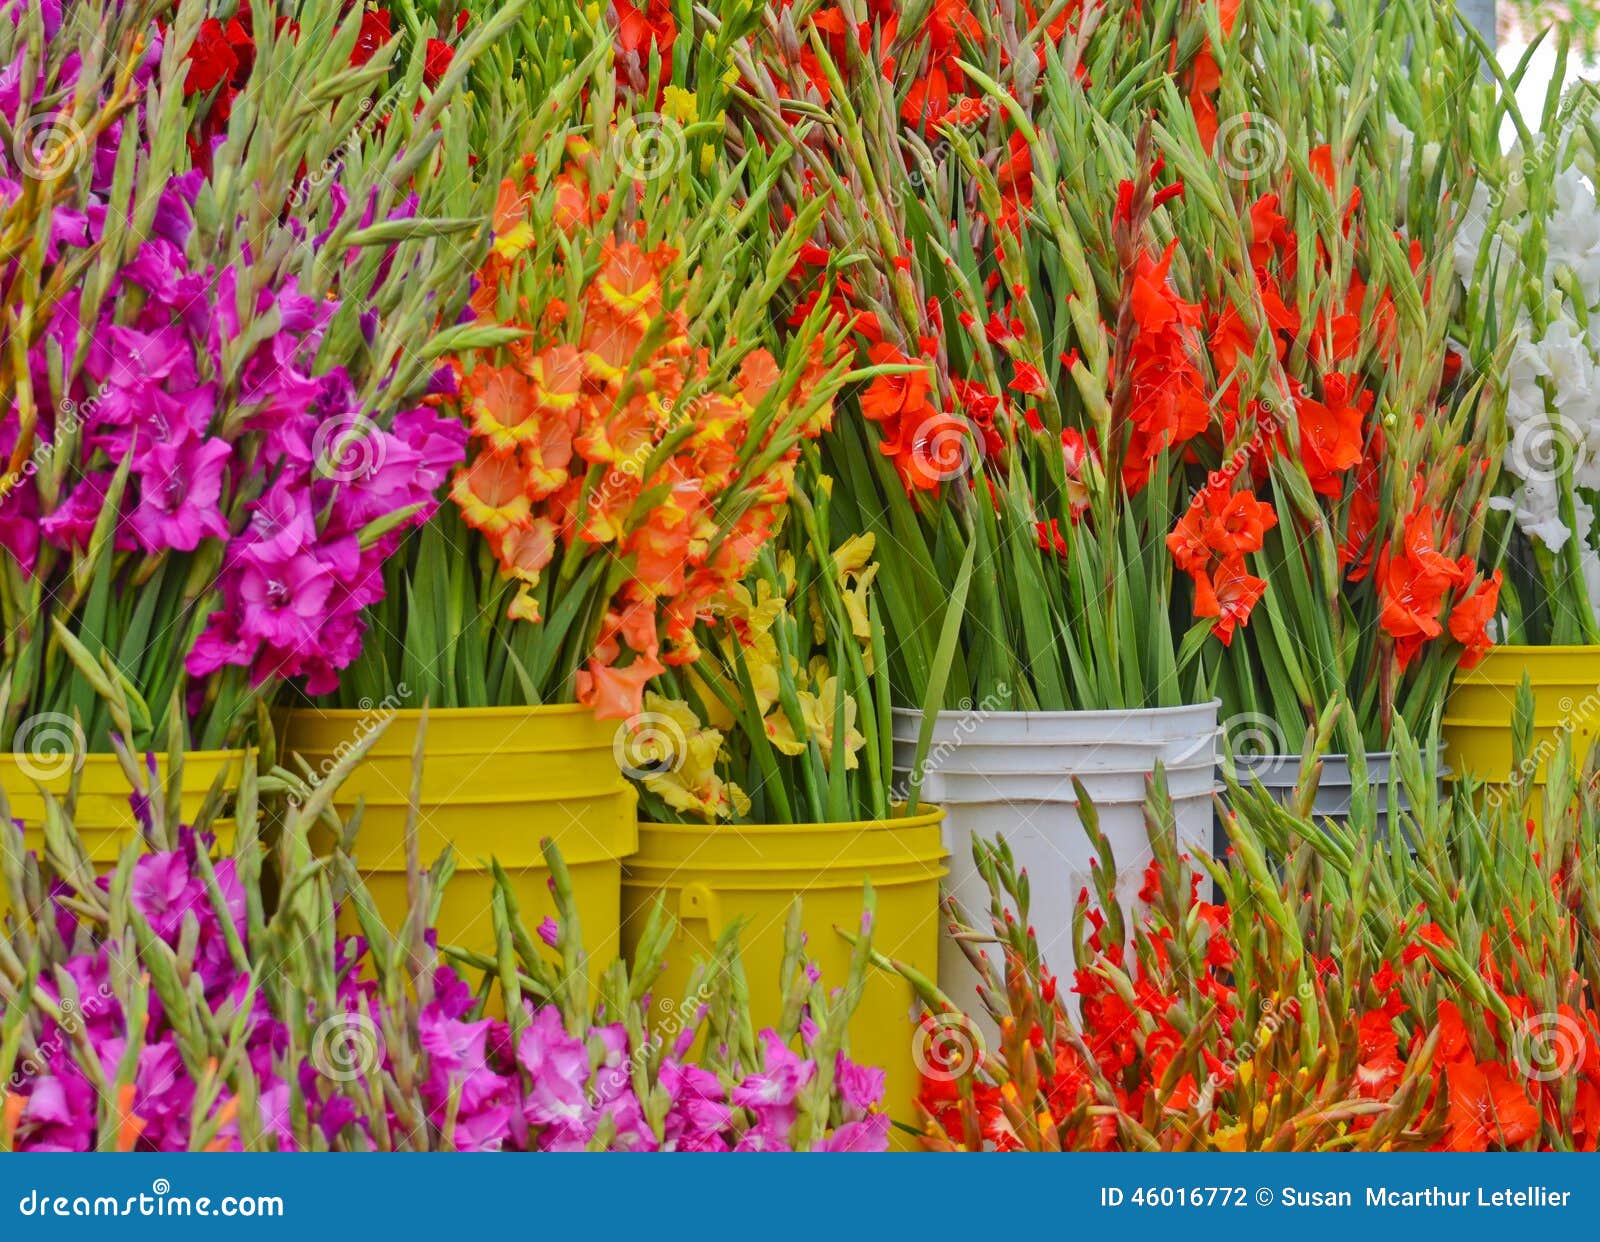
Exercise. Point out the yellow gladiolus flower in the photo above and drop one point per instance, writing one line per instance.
(817, 713)
(680, 105)
(852, 556)
(677, 761)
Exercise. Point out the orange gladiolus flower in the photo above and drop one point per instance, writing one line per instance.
(512, 232)
(596, 398)
(628, 283)
(1228, 594)
(555, 378)
(525, 551)
(500, 401)
(623, 438)
(572, 204)
(617, 693)
(491, 494)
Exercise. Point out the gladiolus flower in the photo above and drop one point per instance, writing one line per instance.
(491, 495)
(1469, 620)
(1228, 593)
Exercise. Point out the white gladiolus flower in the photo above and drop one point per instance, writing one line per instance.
(1570, 368)
(1470, 234)
(1536, 504)
(1574, 232)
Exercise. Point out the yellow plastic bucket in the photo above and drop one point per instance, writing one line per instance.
(1566, 700)
(495, 782)
(103, 816)
(713, 874)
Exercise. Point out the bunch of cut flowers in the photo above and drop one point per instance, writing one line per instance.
(785, 716)
(1327, 308)
(1013, 257)
(1526, 262)
(217, 418)
(160, 1008)
(632, 441)
(1328, 1003)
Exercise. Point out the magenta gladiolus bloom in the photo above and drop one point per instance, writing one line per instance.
(283, 601)
(179, 489)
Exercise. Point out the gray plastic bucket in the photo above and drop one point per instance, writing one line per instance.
(1278, 775)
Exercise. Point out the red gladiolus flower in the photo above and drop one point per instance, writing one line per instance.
(1167, 402)
(1469, 620)
(892, 396)
(1219, 524)
(1357, 549)
(1027, 380)
(1014, 176)
(1412, 586)
(1270, 235)
(1228, 594)
(212, 59)
(640, 29)
(437, 61)
(1050, 537)
(1330, 432)
(375, 32)
(1488, 1109)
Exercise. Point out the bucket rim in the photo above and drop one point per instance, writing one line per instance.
(1076, 714)
(649, 876)
(1343, 755)
(1199, 795)
(929, 818)
(99, 757)
(1524, 649)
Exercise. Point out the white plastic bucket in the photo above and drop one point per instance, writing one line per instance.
(1010, 774)
(1056, 742)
